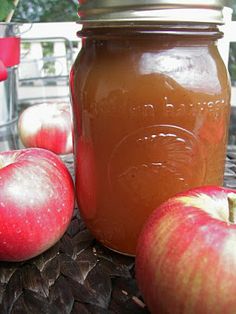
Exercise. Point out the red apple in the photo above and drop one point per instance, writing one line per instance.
(47, 125)
(36, 202)
(186, 254)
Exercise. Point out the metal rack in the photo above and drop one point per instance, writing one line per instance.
(45, 77)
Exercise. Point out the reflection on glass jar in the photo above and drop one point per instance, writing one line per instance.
(151, 109)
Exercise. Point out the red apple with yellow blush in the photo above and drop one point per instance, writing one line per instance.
(47, 125)
(186, 254)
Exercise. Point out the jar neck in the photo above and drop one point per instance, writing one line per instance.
(188, 30)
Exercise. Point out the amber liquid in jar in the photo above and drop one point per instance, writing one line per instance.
(151, 115)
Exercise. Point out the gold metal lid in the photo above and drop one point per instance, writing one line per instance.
(97, 12)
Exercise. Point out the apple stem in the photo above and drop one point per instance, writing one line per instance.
(232, 206)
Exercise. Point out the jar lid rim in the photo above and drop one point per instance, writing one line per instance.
(109, 11)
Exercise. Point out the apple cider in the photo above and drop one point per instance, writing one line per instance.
(151, 110)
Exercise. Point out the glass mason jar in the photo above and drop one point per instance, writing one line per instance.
(151, 103)
(9, 60)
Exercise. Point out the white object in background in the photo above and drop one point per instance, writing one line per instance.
(66, 30)
(32, 64)
(59, 52)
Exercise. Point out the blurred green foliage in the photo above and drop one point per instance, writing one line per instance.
(232, 5)
(5, 8)
(232, 52)
(46, 11)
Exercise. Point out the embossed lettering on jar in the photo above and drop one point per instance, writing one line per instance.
(151, 110)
